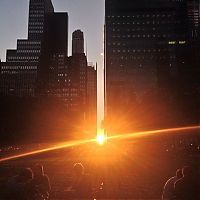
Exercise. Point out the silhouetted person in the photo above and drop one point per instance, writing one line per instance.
(40, 183)
(19, 186)
(186, 188)
(81, 187)
(168, 190)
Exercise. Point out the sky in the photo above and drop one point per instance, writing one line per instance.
(87, 15)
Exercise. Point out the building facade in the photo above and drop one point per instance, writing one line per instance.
(145, 45)
(19, 72)
(147, 49)
(92, 92)
(53, 58)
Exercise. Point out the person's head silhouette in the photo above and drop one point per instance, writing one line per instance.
(25, 174)
(179, 173)
(78, 169)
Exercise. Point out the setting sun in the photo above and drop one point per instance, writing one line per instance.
(101, 138)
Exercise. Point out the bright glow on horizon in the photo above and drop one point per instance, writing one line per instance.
(48, 149)
(101, 138)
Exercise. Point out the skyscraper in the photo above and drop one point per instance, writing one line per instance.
(77, 42)
(52, 63)
(194, 16)
(19, 72)
(77, 69)
(59, 75)
(37, 12)
(146, 50)
(92, 93)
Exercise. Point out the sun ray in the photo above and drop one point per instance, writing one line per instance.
(55, 147)
(101, 138)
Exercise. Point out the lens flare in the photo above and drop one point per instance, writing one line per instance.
(141, 134)
(101, 137)
(48, 149)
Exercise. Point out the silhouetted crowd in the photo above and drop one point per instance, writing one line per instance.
(34, 184)
(29, 183)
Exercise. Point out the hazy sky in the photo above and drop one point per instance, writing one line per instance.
(87, 15)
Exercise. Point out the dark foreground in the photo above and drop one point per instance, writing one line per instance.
(127, 169)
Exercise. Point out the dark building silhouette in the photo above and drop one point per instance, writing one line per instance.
(68, 78)
(19, 72)
(194, 15)
(43, 84)
(52, 66)
(59, 75)
(194, 48)
(91, 91)
(40, 66)
(77, 69)
(37, 13)
(148, 48)
(77, 42)
(91, 113)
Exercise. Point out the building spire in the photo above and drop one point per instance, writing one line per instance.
(77, 42)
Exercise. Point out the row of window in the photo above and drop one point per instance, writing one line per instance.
(28, 51)
(146, 22)
(35, 20)
(142, 36)
(19, 72)
(140, 16)
(36, 15)
(36, 12)
(23, 58)
(36, 27)
(28, 47)
(140, 50)
(146, 57)
(28, 42)
(35, 31)
(36, 23)
(62, 75)
(133, 29)
(19, 67)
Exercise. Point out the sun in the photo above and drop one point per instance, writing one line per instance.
(101, 138)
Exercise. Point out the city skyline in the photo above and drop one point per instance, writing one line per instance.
(15, 25)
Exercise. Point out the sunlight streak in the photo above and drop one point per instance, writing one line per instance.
(141, 134)
(101, 139)
(56, 147)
